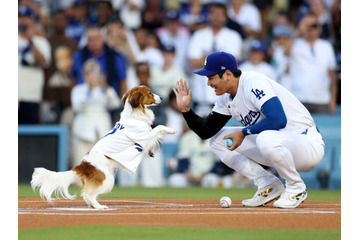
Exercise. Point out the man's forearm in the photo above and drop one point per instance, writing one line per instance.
(205, 127)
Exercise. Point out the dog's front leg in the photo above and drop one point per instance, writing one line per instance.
(155, 136)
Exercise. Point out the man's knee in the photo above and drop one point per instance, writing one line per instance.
(268, 143)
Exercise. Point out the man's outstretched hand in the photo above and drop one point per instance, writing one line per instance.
(183, 97)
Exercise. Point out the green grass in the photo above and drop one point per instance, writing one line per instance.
(185, 193)
(174, 233)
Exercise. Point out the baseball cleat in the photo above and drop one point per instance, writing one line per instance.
(265, 195)
(290, 200)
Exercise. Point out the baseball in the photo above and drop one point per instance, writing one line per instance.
(229, 142)
(225, 202)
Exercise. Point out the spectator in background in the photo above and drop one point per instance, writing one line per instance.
(151, 172)
(112, 63)
(247, 15)
(58, 37)
(283, 19)
(144, 52)
(312, 67)
(40, 10)
(279, 61)
(153, 40)
(174, 120)
(56, 98)
(195, 161)
(104, 11)
(257, 60)
(318, 8)
(336, 20)
(193, 13)
(266, 9)
(130, 12)
(215, 37)
(34, 54)
(119, 38)
(58, 88)
(76, 27)
(163, 78)
(144, 77)
(91, 102)
(123, 41)
(175, 34)
(153, 15)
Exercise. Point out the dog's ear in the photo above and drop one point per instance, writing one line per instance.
(134, 97)
(125, 96)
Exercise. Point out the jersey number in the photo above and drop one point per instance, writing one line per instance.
(258, 94)
(114, 129)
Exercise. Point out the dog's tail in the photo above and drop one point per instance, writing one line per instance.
(49, 182)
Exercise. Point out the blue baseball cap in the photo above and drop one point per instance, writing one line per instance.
(258, 45)
(26, 11)
(281, 30)
(218, 62)
(172, 15)
(167, 48)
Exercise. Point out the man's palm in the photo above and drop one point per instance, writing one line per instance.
(183, 97)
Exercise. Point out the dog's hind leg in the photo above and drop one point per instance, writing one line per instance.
(91, 192)
(95, 182)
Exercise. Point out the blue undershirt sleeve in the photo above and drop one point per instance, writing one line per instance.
(275, 118)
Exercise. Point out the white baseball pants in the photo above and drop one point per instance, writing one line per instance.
(286, 151)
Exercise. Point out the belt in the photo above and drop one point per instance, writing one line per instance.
(306, 131)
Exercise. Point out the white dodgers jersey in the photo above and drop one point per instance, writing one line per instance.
(125, 142)
(254, 89)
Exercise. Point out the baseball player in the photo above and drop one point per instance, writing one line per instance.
(278, 130)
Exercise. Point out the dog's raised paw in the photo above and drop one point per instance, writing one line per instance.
(171, 131)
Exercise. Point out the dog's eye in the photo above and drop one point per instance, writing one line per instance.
(150, 93)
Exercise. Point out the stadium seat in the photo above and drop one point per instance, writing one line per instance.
(330, 129)
(335, 175)
(169, 151)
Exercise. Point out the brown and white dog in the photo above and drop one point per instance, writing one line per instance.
(123, 147)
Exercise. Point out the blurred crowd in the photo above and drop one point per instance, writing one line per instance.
(78, 57)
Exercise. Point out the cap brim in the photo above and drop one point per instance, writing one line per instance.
(205, 72)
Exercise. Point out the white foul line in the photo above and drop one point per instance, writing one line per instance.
(153, 208)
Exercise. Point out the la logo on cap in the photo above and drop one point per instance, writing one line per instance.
(222, 67)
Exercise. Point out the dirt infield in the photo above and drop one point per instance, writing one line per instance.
(36, 213)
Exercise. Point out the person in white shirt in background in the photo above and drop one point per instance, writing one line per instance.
(143, 52)
(312, 67)
(34, 54)
(279, 61)
(247, 15)
(175, 34)
(257, 61)
(200, 162)
(130, 12)
(215, 37)
(91, 102)
(163, 78)
(170, 144)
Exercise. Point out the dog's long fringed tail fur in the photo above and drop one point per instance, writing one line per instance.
(50, 182)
